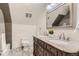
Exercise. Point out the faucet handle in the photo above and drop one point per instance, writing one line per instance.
(68, 39)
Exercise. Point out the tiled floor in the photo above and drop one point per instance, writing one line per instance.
(20, 52)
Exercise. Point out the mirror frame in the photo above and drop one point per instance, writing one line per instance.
(71, 18)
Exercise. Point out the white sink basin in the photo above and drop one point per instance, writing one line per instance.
(56, 41)
(59, 42)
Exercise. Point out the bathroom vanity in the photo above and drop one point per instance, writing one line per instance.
(46, 47)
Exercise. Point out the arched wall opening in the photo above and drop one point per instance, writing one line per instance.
(7, 22)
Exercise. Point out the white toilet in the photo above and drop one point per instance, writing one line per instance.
(27, 47)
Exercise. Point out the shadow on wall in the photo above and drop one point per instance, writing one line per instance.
(7, 21)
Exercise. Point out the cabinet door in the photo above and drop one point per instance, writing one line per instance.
(35, 51)
(42, 48)
(35, 47)
(47, 53)
(52, 50)
(40, 51)
(59, 53)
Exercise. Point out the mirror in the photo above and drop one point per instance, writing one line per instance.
(59, 15)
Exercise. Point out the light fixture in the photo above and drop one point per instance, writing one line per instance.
(28, 15)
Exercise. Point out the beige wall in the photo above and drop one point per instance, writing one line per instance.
(19, 10)
(25, 28)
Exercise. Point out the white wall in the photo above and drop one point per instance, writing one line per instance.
(77, 27)
(2, 31)
(22, 27)
(41, 27)
(20, 32)
(18, 11)
(2, 26)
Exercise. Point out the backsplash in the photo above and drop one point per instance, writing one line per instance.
(74, 35)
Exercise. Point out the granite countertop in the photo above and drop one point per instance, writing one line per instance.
(67, 46)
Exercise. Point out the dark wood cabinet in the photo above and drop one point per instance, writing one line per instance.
(41, 48)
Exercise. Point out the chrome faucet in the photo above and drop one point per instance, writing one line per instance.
(62, 36)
